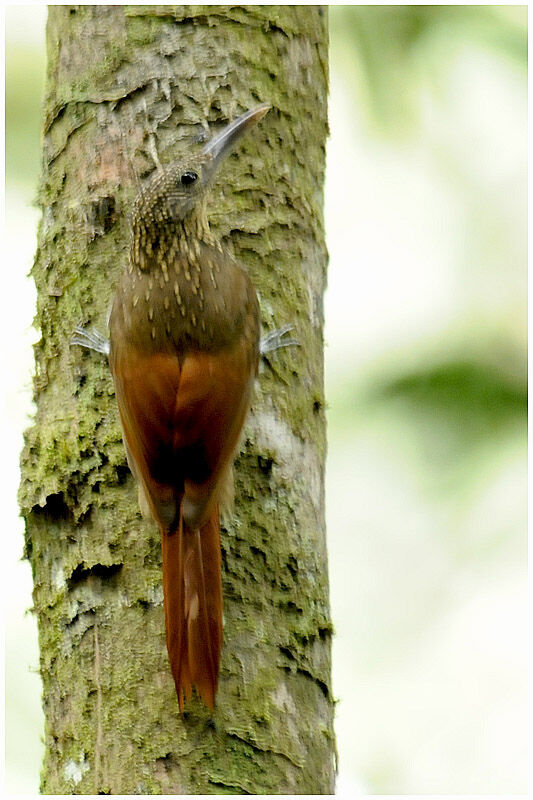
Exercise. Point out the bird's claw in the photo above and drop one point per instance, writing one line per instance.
(275, 340)
(92, 339)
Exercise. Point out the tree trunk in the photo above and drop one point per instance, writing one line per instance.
(125, 86)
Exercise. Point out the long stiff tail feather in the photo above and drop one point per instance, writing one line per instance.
(192, 591)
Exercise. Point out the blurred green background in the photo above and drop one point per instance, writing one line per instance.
(426, 213)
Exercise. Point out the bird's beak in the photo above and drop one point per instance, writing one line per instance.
(224, 142)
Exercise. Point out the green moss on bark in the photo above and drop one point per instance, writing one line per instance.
(124, 82)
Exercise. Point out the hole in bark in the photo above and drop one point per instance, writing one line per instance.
(290, 606)
(102, 571)
(292, 566)
(122, 473)
(76, 617)
(324, 688)
(103, 214)
(265, 464)
(258, 552)
(317, 405)
(276, 29)
(286, 652)
(201, 19)
(55, 508)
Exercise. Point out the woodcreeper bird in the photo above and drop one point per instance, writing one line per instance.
(184, 349)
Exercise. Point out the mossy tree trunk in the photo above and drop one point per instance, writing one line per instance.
(124, 86)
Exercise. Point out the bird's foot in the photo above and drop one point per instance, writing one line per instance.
(92, 339)
(277, 339)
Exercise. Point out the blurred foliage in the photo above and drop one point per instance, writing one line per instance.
(461, 401)
(392, 46)
(387, 55)
(24, 81)
(477, 399)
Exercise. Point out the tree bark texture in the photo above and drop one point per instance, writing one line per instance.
(125, 86)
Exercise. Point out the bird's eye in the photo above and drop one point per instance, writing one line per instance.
(188, 177)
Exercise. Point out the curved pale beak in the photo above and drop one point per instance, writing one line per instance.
(224, 142)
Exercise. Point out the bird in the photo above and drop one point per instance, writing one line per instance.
(184, 347)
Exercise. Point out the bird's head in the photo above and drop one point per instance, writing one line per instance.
(173, 192)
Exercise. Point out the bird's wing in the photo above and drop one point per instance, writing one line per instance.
(181, 417)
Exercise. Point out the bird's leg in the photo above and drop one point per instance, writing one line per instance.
(92, 339)
(275, 340)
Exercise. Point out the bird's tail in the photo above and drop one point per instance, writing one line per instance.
(192, 590)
